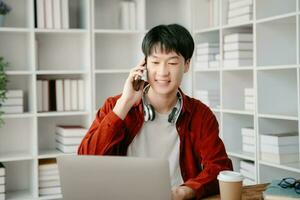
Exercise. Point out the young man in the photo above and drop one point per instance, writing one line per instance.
(160, 121)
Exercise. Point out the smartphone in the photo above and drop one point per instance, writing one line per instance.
(140, 79)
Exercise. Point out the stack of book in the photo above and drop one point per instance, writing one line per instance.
(207, 55)
(128, 15)
(238, 50)
(247, 169)
(209, 97)
(49, 181)
(248, 139)
(249, 99)
(60, 95)
(68, 138)
(240, 11)
(279, 148)
(52, 14)
(2, 182)
(13, 103)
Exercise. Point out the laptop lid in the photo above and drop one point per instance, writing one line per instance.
(113, 178)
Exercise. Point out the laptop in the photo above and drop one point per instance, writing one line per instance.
(113, 178)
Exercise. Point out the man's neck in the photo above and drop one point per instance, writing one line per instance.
(162, 103)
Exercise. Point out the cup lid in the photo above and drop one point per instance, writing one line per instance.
(230, 176)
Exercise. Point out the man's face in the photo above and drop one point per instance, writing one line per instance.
(165, 71)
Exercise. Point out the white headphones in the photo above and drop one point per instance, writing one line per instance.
(149, 112)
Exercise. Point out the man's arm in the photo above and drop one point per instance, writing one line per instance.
(210, 149)
(105, 133)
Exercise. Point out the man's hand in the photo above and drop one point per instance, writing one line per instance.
(129, 95)
(182, 193)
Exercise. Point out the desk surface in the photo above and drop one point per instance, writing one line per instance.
(253, 192)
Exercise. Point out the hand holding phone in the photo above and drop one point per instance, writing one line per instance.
(137, 83)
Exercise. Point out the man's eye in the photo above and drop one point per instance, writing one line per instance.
(173, 63)
(156, 63)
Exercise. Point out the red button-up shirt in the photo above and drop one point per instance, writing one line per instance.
(202, 152)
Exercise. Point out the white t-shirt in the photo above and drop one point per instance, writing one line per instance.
(159, 139)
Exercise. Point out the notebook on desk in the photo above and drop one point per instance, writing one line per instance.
(113, 178)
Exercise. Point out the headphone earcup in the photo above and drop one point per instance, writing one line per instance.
(151, 112)
(146, 113)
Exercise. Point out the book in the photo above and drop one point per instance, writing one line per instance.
(12, 109)
(248, 148)
(247, 174)
(66, 148)
(249, 100)
(56, 14)
(249, 106)
(52, 95)
(39, 89)
(49, 13)
(40, 6)
(209, 50)
(238, 46)
(291, 138)
(238, 37)
(2, 188)
(207, 45)
(238, 55)
(132, 15)
(237, 4)
(248, 140)
(45, 84)
(279, 158)
(237, 63)
(49, 178)
(51, 183)
(48, 172)
(2, 169)
(213, 13)
(71, 131)
(74, 95)
(240, 19)
(248, 131)
(49, 191)
(249, 92)
(65, 14)
(207, 57)
(2, 180)
(47, 164)
(81, 95)
(13, 102)
(248, 166)
(240, 11)
(201, 65)
(275, 192)
(67, 94)
(59, 93)
(289, 149)
(14, 93)
(214, 64)
(68, 140)
(124, 15)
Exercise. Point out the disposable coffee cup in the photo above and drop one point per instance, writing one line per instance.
(230, 184)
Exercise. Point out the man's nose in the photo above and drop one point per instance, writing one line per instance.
(163, 70)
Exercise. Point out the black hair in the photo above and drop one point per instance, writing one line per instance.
(172, 37)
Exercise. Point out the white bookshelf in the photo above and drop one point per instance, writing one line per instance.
(96, 49)
(274, 76)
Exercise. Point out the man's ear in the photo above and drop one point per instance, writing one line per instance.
(187, 65)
